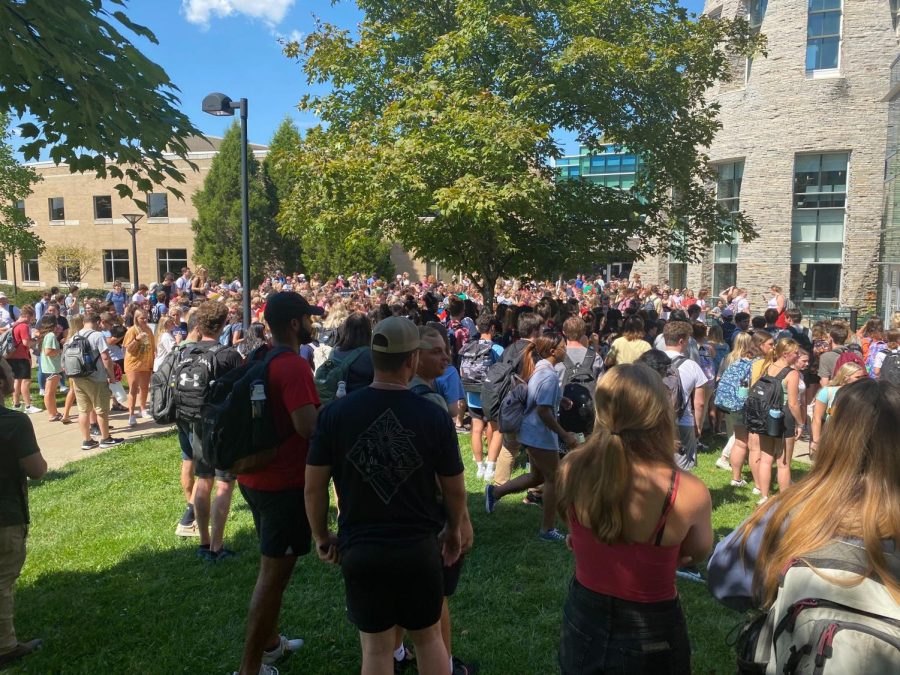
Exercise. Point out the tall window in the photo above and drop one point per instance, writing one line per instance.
(103, 207)
(30, 270)
(823, 34)
(756, 12)
(115, 265)
(728, 195)
(158, 205)
(69, 270)
(170, 260)
(57, 208)
(613, 169)
(895, 11)
(817, 229)
(20, 205)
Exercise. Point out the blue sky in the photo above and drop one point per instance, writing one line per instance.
(231, 46)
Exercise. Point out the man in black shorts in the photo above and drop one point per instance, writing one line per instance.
(275, 493)
(384, 445)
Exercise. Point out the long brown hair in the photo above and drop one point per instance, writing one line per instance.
(853, 490)
(635, 424)
(544, 346)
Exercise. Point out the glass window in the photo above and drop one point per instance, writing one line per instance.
(895, 11)
(816, 283)
(115, 265)
(170, 260)
(756, 12)
(158, 205)
(20, 205)
(823, 34)
(103, 207)
(57, 208)
(728, 186)
(820, 181)
(677, 274)
(30, 270)
(3, 274)
(69, 270)
(724, 276)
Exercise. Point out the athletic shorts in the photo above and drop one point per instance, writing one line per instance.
(280, 520)
(391, 585)
(476, 413)
(193, 451)
(451, 577)
(21, 368)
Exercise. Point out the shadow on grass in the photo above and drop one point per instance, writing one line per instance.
(50, 476)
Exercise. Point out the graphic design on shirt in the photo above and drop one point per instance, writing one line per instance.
(385, 455)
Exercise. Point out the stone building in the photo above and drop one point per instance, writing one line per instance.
(802, 151)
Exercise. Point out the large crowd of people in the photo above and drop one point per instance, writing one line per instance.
(605, 389)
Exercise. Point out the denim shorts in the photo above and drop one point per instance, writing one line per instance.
(603, 634)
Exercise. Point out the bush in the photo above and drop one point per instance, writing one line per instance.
(29, 296)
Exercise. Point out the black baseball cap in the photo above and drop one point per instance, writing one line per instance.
(287, 305)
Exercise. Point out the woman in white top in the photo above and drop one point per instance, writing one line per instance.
(165, 340)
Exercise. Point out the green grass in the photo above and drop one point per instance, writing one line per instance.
(111, 589)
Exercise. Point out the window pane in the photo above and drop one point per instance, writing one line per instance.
(804, 226)
(102, 207)
(826, 282)
(724, 276)
(30, 270)
(801, 253)
(158, 205)
(829, 252)
(57, 208)
(831, 225)
(116, 265)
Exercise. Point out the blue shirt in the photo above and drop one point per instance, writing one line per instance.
(543, 389)
(449, 385)
(118, 301)
(473, 398)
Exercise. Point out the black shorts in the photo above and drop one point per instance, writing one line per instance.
(201, 468)
(21, 368)
(451, 577)
(390, 585)
(476, 413)
(280, 520)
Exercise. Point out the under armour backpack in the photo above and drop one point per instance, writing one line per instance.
(193, 375)
(334, 371)
(890, 368)
(672, 380)
(851, 353)
(765, 394)
(832, 615)
(475, 359)
(239, 435)
(162, 388)
(78, 357)
(578, 384)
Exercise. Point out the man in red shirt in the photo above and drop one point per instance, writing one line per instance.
(275, 494)
(19, 360)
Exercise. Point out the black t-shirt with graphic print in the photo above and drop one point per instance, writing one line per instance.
(384, 448)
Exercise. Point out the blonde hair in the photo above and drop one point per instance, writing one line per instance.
(743, 349)
(76, 323)
(783, 347)
(844, 373)
(635, 424)
(852, 490)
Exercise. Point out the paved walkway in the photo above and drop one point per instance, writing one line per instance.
(61, 443)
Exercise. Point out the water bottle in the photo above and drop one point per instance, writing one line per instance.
(341, 390)
(258, 400)
(743, 390)
(775, 423)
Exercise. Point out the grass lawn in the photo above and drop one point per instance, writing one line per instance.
(112, 590)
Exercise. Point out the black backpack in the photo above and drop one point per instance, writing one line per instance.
(765, 394)
(579, 384)
(193, 375)
(672, 380)
(497, 383)
(162, 389)
(475, 360)
(890, 368)
(239, 435)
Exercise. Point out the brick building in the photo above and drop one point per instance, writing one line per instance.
(802, 151)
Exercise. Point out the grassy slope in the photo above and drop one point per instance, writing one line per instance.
(111, 589)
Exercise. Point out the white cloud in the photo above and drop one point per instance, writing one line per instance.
(201, 11)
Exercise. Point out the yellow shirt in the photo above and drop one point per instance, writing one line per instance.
(624, 350)
(142, 360)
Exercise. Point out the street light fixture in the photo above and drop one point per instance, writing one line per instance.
(133, 218)
(221, 105)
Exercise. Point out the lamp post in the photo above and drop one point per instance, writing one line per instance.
(221, 106)
(133, 218)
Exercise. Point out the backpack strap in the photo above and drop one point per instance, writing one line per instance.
(422, 389)
(784, 373)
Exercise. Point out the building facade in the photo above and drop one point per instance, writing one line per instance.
(802, 151)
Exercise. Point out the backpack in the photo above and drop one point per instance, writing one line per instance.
(707, 363)
(458, 335)
(496, 385)
(322, 351)
(890, 368)
(765, 394)
(851, 353)
(513, 407)
(227, 335)
(333, 371)
(239, 433)
(818, 626)
(672, 380)
(875, 348)
(578, 384)
(729, 394)
(801, 338)
(193, 374)
(162, 388)
(8, 342)
(78, 357)
(156, 314)
(475, 359)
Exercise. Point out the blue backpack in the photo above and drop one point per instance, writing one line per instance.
(731, 393)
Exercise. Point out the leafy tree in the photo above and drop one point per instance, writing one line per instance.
(16, 235)
(449, 110)
(280, 182)
(72, 262)
(94, 99)
(217, 228)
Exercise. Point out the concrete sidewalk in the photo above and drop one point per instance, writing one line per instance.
(61, 443)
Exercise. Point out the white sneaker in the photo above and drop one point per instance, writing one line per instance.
(147, 416)
(488, 476)
(739, 483)
(31, 410)
(132, 421)
(63, 389)
(481, 469)
(762, 500)
(755, 490)
(284, 647)
(723, 463)
(41, 392)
